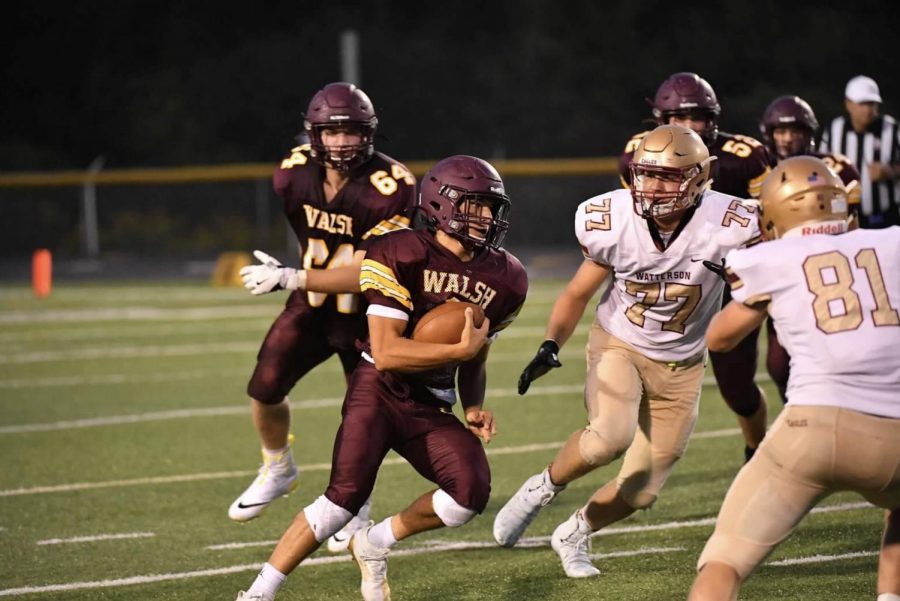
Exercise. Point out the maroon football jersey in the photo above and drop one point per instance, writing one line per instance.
(411, 272)
(377, 199)
(846, 171)
(741, 164)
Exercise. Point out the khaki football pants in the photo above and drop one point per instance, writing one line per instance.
(810, 452)
(643, 408)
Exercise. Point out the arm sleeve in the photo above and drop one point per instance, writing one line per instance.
(597, 243)
(747, 276)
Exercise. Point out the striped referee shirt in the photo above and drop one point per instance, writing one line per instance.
(880, 143)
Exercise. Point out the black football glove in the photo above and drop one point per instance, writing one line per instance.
(717, 269)
(546, 359)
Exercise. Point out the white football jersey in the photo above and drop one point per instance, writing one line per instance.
(661, 301)
(835, 302)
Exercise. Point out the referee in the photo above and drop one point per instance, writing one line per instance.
(872, 143)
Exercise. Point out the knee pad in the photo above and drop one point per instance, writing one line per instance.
(451, 513)
(325, 518)
(596, 450)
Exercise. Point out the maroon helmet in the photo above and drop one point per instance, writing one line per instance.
(789, 111)
(453, 191)
(341, 106)
(688, 94)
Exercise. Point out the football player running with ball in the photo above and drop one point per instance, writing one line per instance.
(835, 298)
(660, 246)
(339, 195)
(401, 396)
(741, 165)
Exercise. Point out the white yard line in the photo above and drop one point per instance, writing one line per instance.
(82, 353)
(229, 311)
(75, 586)
(228, 409)
(796, 561)
(433, 546)
(152, 416)
(529, 448)
(118, 353)
(95, 538)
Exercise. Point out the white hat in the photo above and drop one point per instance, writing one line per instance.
(862, 89)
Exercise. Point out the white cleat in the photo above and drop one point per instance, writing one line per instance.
(372, 563)
(514, 517)
(573, 547)
(341, 540)
(278, 476)
(242, 596)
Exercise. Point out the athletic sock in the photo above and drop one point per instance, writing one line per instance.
(267, 582)
(382, 535)
(548, 483)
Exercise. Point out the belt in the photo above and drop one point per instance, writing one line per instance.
(692, 360)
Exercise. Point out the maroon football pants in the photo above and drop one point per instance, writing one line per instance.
(300, 339)
(380, 414)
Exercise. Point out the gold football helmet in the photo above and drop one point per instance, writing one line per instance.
(669, 171)
(803, 191)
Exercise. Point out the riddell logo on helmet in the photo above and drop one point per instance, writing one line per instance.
(339, 117)
(497, 190)
(822, 228)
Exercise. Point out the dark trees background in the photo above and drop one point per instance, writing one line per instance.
(160, 82)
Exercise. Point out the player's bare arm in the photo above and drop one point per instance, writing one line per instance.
(732, 324)
(336, 280)
(471, 381)
(392, 351)
(566, 312)
(570, 306)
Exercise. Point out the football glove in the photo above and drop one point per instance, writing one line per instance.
(546, 359)
(271, 276)
(717, 269)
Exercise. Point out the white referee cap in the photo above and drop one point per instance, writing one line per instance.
(862, 89)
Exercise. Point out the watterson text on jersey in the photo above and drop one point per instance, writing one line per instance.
(669, 275)
(439, 282)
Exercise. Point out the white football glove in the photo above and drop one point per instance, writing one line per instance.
(271, 276)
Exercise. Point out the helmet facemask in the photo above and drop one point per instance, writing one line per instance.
(652, 204)
(708, 134)
(346, 157)
(477, 219)
(670, 170)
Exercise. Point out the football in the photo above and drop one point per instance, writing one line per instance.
(444, 324)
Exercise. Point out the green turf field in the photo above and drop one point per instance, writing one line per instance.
(125, 435)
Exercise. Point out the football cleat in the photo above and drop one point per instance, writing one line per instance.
(242, 596)
(341, 540)
(278, 476)
(514, 517)
(573, 547)
(372, 563)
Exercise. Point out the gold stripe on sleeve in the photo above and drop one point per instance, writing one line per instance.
(397, 222)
